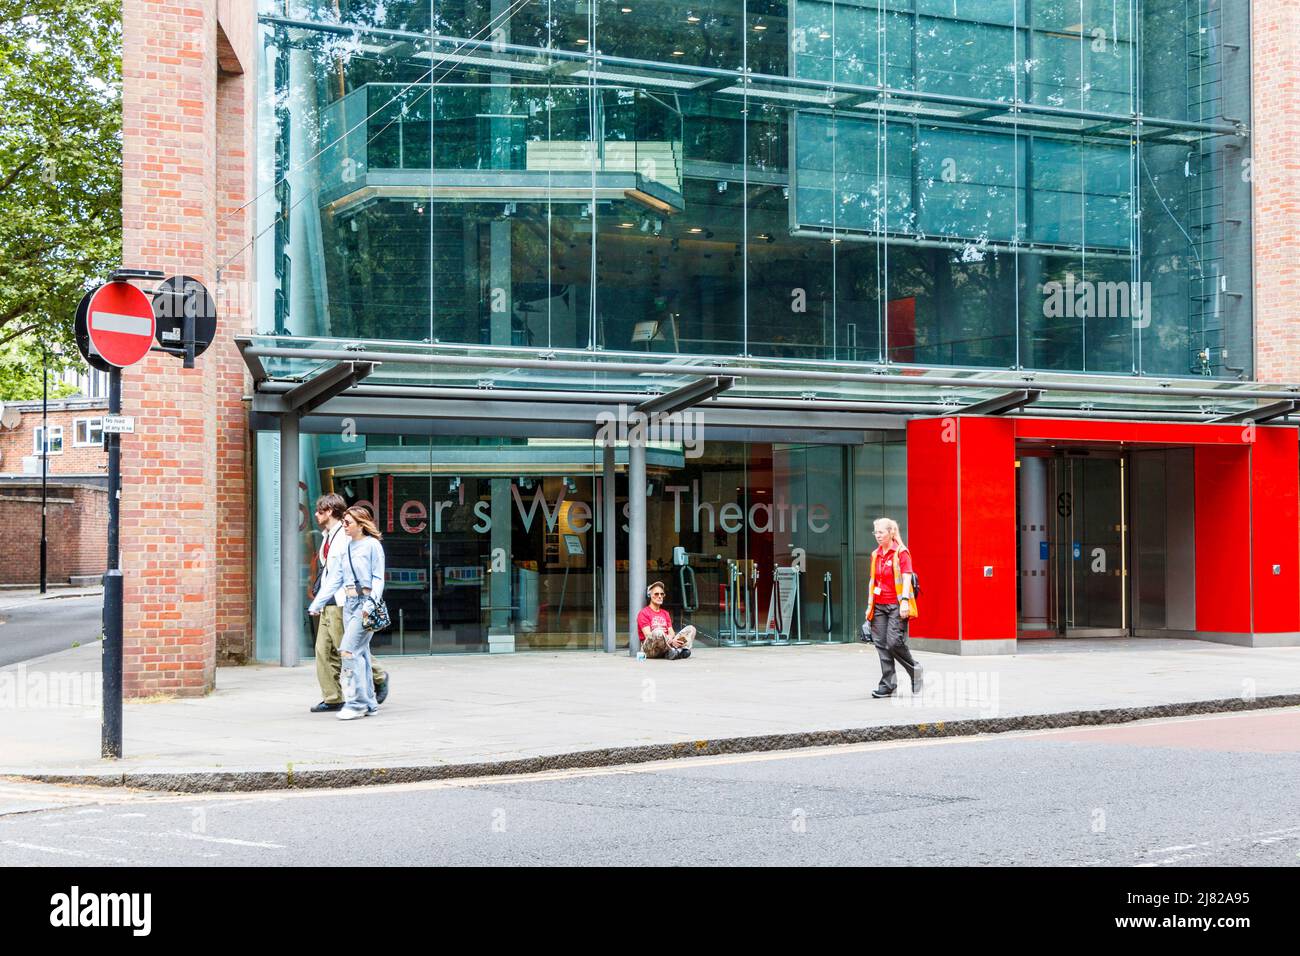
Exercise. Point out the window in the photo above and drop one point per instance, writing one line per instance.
(88, 431)
(56, 440)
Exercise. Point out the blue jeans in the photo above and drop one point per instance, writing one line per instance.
(355, 673)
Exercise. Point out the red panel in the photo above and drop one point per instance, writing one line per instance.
(900, 318)
(1222, 538)
(1159, 433)
(988, 528)
(1275, 487)
(932, 523)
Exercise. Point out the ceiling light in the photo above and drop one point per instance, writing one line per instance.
(580, 40)
(759, 27)
(692, 19)
(625, 225)
(695, 229)
(679, 52)
(627, 9)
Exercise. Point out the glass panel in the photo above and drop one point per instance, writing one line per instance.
(1150, 545)
(468, 172)
(970, 56)
(1094, 547)
(879, 470)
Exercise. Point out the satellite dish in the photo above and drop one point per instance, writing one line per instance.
(10, 417)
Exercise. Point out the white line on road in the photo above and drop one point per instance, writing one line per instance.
(61, 851)
(225, 840)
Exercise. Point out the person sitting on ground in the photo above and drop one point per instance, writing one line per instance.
(655, 626)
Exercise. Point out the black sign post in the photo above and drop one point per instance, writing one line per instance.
(185, 323)
(111, 727)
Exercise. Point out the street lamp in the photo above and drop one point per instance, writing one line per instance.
(45, 445)
(45, 448)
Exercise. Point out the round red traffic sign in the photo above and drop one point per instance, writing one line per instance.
(120, 322)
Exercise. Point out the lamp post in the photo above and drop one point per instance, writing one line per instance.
(45, 446)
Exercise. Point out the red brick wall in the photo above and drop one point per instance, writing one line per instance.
(19, 443)
(236, 106)
(184, 471)
(76, 532)
(1275, 57)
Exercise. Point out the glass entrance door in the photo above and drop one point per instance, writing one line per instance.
(1090, 545)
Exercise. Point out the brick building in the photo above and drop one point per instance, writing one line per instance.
(475, 206)
(76, 439)
(76, 491)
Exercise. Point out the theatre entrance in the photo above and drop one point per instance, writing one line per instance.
(1105, 542)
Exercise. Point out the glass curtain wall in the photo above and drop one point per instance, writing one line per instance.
(1043, 184)
(497, 544)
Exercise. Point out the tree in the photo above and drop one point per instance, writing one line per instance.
(60, 170)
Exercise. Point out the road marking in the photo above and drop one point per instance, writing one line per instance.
(61, 851)
(228, 842)
(1213, 847)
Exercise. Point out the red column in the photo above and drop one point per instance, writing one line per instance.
(1275, 530)
(1223, 532)
(961, 520)
(1247, 522)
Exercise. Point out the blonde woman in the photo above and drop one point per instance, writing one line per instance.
(360, 574)
(891, 603)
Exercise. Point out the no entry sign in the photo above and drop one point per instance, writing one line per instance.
(120, 322)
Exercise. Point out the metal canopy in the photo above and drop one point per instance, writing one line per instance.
(1004, 403)
(683, 398)
(423, 380)
(1260, 415)
(315, 392)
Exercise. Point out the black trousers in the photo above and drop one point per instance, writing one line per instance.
(889, 634)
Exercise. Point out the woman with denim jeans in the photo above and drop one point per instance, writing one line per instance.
(361, 575)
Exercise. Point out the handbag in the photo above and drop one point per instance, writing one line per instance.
(866, 634)
(374, 614)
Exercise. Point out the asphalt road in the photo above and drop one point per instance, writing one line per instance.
(1219, 790)
(43, 626)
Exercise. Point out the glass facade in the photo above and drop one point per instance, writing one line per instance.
(983, 184)
(1042, 184)
(491, 538)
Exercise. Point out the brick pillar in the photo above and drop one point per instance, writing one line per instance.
(236, 109)
(184, 467)
(1275, 57)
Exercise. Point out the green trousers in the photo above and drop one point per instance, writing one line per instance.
(329, 633)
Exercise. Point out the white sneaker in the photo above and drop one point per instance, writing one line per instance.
(348, 713)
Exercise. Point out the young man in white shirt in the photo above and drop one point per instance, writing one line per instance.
(329, 633)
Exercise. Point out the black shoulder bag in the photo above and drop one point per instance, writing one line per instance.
(374, 616)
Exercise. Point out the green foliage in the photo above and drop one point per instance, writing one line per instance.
(20, 372)
(60, 171)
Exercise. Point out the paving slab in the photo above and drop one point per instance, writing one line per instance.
(462, 711)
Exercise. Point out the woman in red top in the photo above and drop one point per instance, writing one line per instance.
(891, 603)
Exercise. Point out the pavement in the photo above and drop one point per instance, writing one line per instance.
(11, 597)
(469, 715)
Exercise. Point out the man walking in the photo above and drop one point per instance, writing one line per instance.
(329, 633)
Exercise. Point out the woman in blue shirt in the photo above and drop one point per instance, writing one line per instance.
(361, 575)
